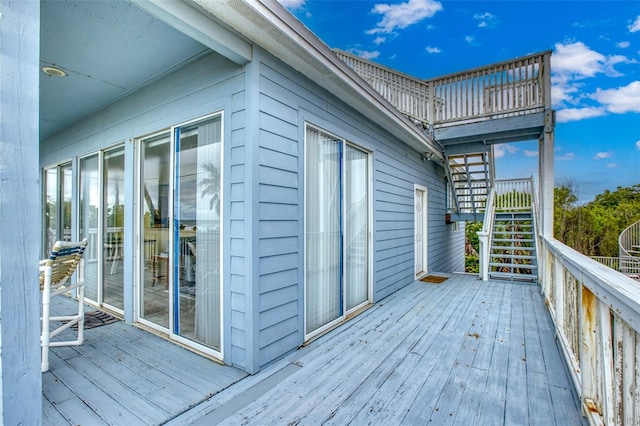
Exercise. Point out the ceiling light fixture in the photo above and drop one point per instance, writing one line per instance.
(54, 72)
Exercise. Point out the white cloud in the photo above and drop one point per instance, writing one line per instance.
(635, 26)
(431, 49)
(638, 145)
(469, 38)
(379, 40)
(601, 155)
(503, 149)
(567, 157)
(623, 44)
(292, 4)
(402, 15)
(530, 153)
(621, 100)
(577, 60)
(365, 54)
(486, 20)
(572, 64)
(575, 114)
(612, 166)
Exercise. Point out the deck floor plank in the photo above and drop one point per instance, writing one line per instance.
(148, 382)
(96, 397)
(382, 335)
(367, 398)
(493, 406)
(517, 408)
(539, 394)
(439, 398)
(460, 352)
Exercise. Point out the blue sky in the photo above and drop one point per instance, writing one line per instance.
(595, 65)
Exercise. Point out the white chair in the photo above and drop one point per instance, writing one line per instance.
(55, 273)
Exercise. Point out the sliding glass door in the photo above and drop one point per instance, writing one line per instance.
(155, 201)
(180, 216)
(196, 231)
(101, 221)
(336, 230)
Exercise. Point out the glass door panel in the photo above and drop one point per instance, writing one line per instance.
(197, 245)
(336, 229)
(155, 221)
(113, 231)
(323, 295)
(88, 221)
(57, 206)
(51, 207)
(357, 227)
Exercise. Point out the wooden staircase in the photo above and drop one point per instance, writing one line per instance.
(513, 246)
(470, 177)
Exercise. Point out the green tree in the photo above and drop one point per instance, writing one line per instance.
(472, 247)
(593, 228)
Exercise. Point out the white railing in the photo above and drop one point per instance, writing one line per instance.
(629, 243)
(596, 312)
(514, 194)
(505, 195)
(511, 88)
(408, 94)
(506, 89)
(629, 265)
(484, 236)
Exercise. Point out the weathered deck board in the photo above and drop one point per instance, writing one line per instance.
(124, 375)
(458, 353)
(462, 352)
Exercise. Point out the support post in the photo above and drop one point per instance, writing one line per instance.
(20, 214)
(483, 239)
(546, 179)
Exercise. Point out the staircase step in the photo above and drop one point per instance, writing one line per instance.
(514, 277)
(509, 240)
(501, 232)
(512, 265)
(513, 216)
(512, 256)
(511, 248)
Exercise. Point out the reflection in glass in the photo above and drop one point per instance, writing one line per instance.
(197, 232)
(51, 203)
(57, 206)
(156, 169)
(357, 227)
(113, 230)
(89, 211)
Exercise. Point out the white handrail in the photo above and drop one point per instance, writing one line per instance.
(484, 235)
(596, 312)
(629, 244)
(506, 89)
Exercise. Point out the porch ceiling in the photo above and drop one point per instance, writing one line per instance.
(108, 49)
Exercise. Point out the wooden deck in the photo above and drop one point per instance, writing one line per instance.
(461, 352)
(123, 375)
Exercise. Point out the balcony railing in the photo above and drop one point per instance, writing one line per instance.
(512, 88)
(596, 311)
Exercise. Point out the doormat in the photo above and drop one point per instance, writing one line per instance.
(433, 279)
(93, 319)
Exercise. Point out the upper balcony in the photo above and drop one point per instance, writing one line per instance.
(503, 102)
(466, 113)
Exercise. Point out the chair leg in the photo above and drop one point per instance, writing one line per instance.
(44, 338)
(80, 294)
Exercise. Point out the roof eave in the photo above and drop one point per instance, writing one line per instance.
(268, 24)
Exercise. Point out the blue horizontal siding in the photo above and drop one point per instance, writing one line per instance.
(286, 101)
